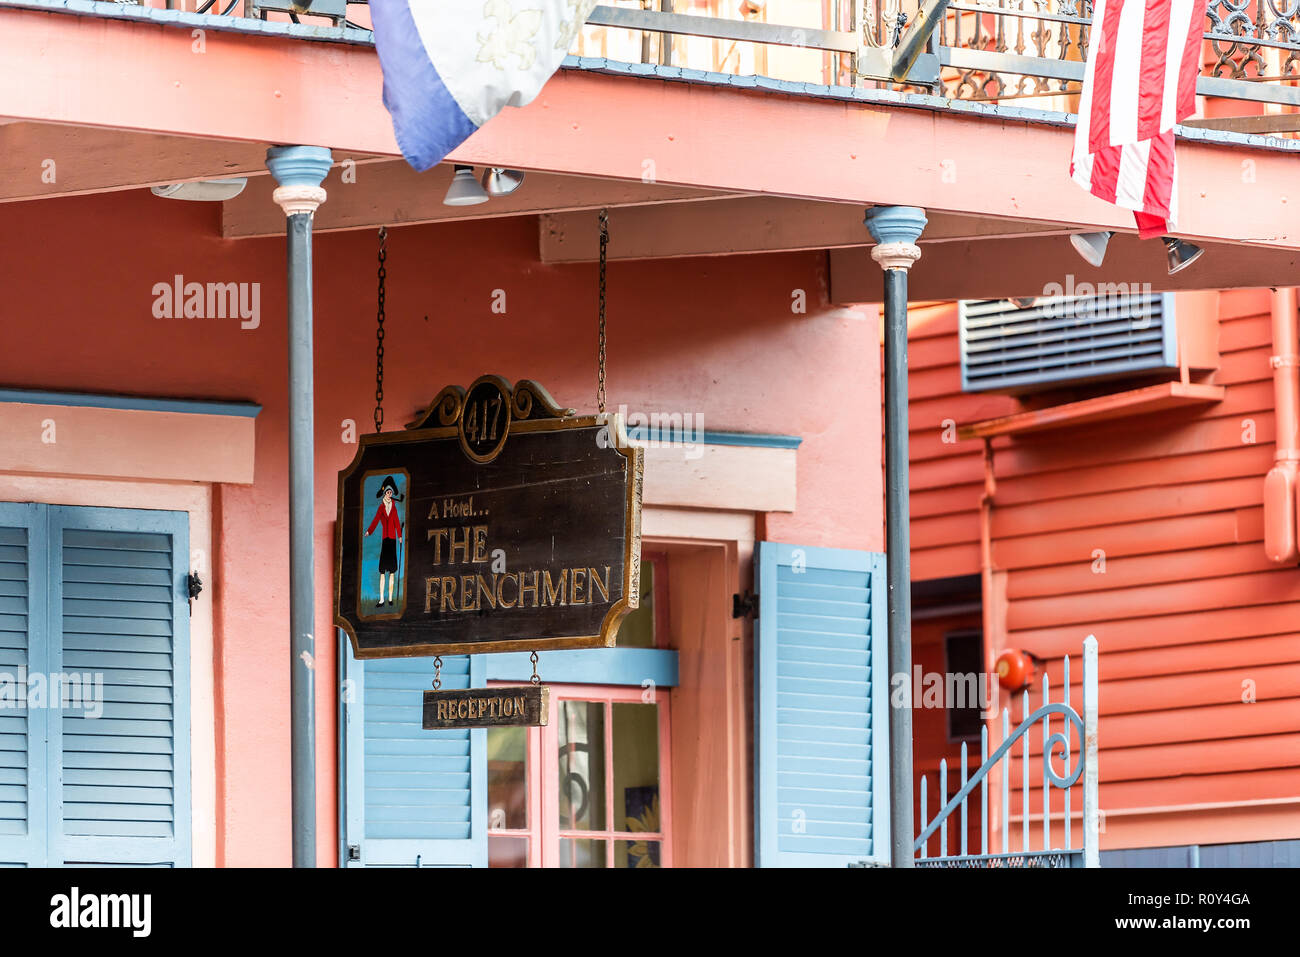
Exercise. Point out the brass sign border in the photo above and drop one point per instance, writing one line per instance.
(631, 599)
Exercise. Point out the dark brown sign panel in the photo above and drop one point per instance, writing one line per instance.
(525, 706)
(496, 522)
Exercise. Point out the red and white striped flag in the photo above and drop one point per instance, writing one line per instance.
(1139, 81)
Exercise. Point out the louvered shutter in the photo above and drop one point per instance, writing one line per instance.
(23, 559)
(821, 708)
(413, 798)
(119, 608)
(1061, 340)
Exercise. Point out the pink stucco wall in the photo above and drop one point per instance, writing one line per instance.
(712, 336)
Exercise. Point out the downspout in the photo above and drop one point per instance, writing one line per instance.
(1280, 485)
(989, 625)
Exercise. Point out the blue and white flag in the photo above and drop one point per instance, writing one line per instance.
(451, 65)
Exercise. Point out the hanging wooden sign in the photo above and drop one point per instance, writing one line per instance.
(496, 521)
(519, 706)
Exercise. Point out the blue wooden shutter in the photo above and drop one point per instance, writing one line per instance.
(121, 791)
(23, 629)
(411, 797)
(821, 788)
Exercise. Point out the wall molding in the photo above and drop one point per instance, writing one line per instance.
(122, 437)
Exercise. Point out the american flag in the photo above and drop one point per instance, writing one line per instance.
(1139, 81)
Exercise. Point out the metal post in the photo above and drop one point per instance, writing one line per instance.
(299, 171)
(895, 230)
(1091, 812)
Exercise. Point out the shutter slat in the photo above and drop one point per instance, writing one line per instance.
(132, 541)
(73, 558)
(131, 627)
(114, 575)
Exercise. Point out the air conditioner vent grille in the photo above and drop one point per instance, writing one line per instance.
(1064, 340)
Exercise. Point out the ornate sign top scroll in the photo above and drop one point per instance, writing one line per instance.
(496, 521)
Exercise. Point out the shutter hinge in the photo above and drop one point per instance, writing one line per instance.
(744, 606)
(193, 586)
(354, 852)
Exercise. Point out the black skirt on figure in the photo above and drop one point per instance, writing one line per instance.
(388, 557)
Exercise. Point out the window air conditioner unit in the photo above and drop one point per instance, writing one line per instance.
(1065, 340)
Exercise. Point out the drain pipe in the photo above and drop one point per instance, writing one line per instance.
(996, 823)
(1280, 485)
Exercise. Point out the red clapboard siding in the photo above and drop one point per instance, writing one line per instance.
(1188, 612)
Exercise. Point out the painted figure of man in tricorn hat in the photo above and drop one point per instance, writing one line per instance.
(386, 516)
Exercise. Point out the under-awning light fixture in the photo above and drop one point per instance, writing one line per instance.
(501, 182)
(1027, 302)
(1180, 254)
(464, 189)
(203, 191)
(1091, 246)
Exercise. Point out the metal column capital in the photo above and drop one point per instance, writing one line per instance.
(895, 230)
(299, 171)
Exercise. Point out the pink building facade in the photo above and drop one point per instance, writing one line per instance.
(145, 422)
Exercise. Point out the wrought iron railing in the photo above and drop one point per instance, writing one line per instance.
(1053, 831)
(1027, 50)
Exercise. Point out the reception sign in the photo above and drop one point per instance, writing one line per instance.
(496, 522)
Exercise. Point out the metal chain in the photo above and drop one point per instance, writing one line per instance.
(535, 679)
(437, 673)
(600, 372)
(379, 332)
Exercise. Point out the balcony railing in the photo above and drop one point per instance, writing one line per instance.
(1028, 51)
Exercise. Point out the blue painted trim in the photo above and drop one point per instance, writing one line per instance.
(764, 440)
(766, 822)
(207, 21)
(353, 744)
(921, 101)
(130, 403)
(591, 666)
(31, 849)
(345, 690)
(895, 224)
(299, 165)
(881, 684)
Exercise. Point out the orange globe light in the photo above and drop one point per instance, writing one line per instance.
(1015, 669)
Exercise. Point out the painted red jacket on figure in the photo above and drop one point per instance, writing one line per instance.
(392, 524)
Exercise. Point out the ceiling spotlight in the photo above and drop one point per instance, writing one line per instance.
(204, 191)
(1091, 246)
(1026, 303)
(464, 189)
(501, 182)
(1180, 253)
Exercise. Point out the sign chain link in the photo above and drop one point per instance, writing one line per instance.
(535, 679)
(437, 673)
(379, 332)
(600, 374)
